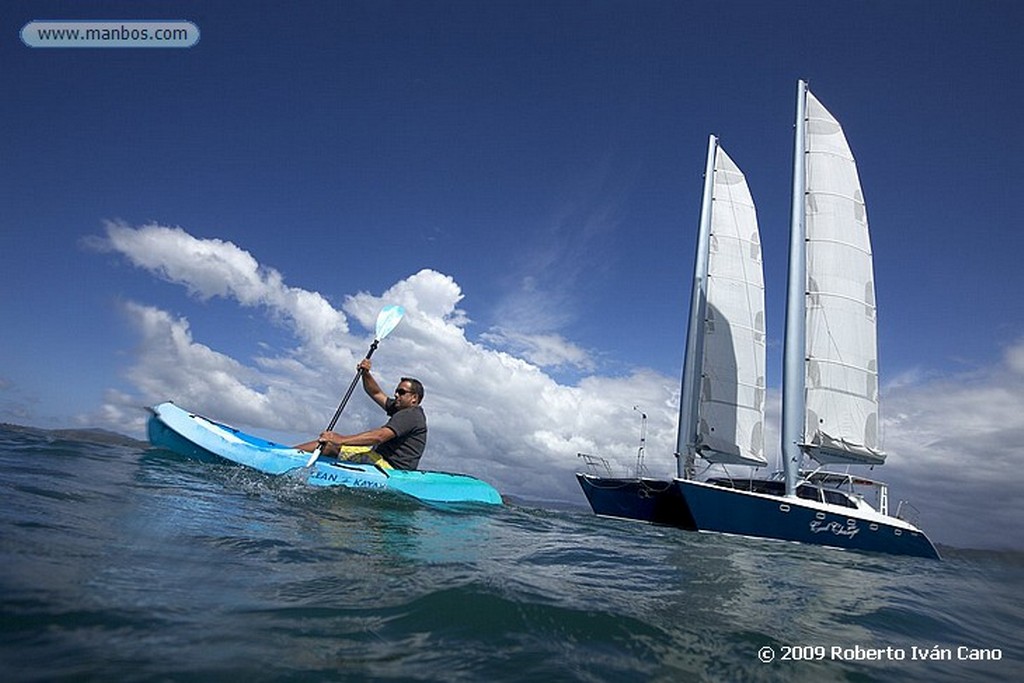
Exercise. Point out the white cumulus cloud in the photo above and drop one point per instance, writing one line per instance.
(210, 268)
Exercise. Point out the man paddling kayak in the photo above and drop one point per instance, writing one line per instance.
(398, 444)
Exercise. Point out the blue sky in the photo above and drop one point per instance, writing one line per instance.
(525, 177)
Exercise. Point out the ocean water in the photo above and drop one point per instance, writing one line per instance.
(121, 563)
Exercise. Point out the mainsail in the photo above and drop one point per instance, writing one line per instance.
(729, 422)
(841, 423)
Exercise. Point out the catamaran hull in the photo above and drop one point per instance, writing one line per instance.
(645, 500)
(731, 511)
(195, 436)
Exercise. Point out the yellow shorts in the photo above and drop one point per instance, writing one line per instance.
(363, 455)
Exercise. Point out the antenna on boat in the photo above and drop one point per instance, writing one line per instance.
(640, 469)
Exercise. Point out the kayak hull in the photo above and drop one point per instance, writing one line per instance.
(195, 436)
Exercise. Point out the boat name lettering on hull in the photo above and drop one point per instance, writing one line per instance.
(348, 481)
(835, 528)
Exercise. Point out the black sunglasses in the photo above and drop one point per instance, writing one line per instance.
(402, 392)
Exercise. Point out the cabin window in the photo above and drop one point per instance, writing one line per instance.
(809, 493)
(837, 498)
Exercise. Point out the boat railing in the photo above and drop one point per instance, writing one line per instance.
(851, 484)
(595, 463)
(907, 512)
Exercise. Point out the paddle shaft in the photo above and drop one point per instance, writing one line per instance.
(387, 319)
(351, 388)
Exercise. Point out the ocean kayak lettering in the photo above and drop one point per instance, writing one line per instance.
(348, 480)
(835, 528)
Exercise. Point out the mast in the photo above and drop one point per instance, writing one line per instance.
(643, 443)
(687, 436)
(793, 376)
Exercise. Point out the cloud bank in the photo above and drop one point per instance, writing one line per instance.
(955, 445)
(494, 409)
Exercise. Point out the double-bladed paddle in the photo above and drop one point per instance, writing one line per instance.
(387, 320)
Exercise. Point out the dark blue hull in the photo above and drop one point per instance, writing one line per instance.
(745, 513)
(644, 500)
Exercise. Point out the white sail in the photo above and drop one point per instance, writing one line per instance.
(730, 413)
(841, 371)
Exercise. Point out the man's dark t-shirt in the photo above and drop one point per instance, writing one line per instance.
(410, 428)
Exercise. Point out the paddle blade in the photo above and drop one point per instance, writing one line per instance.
(387, 320)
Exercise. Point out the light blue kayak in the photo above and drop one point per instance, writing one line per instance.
(193, 435)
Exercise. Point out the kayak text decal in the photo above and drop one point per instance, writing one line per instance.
(331, 477)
